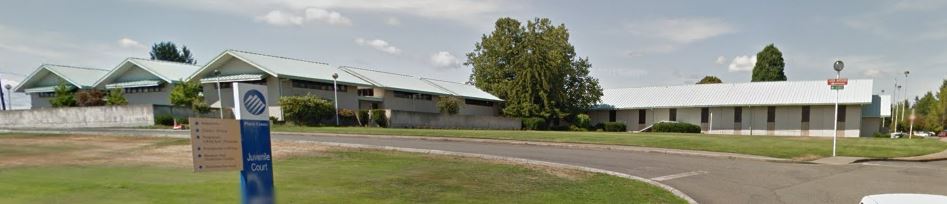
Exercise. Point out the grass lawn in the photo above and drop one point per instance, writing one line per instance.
(800, 148)
(325, 176)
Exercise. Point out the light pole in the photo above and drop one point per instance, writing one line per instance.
(335, 92)
(838, 66)
(219, 99)
(3, 104)
(9, 95)
(894, 117)
(905, 93)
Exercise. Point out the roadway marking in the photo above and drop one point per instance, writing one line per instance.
(680, 175)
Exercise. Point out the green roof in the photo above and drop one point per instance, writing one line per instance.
(134, 84)
(81, 77)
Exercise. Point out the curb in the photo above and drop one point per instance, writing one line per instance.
(673, 190)
(899, 160)
(556, 144)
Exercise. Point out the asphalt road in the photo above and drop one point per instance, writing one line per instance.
(706, 179)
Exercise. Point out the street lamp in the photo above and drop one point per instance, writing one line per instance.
(838, 66)
(335, 92)
(906, 95)
(219, 99)
(9, 95)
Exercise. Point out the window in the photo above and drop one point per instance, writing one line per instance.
(478, 102)
(771, 114)
(737, 114)
(46, 94)
(805, 114)
(228, 85)
(143, 89)
(366, 92)
(612, 115)
(317, 85)
(415, 96)
(642, 116)
(672, 114)
(841, 113)
(704, 115)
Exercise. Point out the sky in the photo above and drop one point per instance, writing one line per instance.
(629, 43)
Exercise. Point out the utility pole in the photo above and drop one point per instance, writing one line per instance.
(3, 103)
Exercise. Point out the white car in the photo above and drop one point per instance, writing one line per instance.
(895, 135)
(923, 133)
(904, 198)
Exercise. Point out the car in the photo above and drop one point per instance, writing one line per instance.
(942, 134)
(904, 198)
(895, 135)
(923, 133)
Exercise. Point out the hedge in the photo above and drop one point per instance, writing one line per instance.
(614, 127)
(583, 121)
(378, 117)
(535, 123)
(678, 127)
(306, 110)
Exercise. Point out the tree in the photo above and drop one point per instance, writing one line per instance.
(534, 69)
(116, 97)
(448, 104)
(188, 94)
(91, 97)
(306, 110)
(769, 65)
(63, 97)
(167, 51)
(942, 98)
(710, 80)
(927, 112)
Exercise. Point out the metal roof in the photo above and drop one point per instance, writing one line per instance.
(167, 71)
(394, 81)
(133, 84)
(81, 77)
(465, 90)
(284, 67)
(737, 94)
(233, 78)
(46, 89)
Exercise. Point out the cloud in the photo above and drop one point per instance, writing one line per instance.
(682, 30)
(281, 19)
(919, 5)
(392, 21)
(656, 49)
(327, 16)
(129, 43)
(379, 45)
(444, 59)
(742, 63)
(721, 60)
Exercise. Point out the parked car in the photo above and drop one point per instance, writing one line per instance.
(942, 134)
(895, 135)
(923, 133)
(904, 198)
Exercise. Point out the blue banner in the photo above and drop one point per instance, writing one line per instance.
(256, 178)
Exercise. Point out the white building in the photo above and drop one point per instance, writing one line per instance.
(42, 82)
(790, 108)
(146, 81)
(358, 88)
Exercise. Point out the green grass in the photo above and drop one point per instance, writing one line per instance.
(340, 176)
(772, 146)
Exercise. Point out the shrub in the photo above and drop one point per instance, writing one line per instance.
(378, 117)
(116, 97)
(535, 123)
(63, 97)
(347, 116)
(614, 127)
(164, 119)
(448, 104)
(583, 121)
(599, 127)
(362, 117)
(89, 98)
(678, 127)
(182, 120)
(305, 110)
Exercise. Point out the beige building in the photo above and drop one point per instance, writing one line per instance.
(42, 82)
(357, 88)
(146, 81)
(789, 108)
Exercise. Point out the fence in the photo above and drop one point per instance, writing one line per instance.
(409, 119)
(79, 117)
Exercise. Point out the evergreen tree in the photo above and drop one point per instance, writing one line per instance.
(769, 65)
(534, 69)
(168, 51)
(116, 97)
(710, 80)
(63, 97)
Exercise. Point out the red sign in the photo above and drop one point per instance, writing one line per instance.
(838, 82)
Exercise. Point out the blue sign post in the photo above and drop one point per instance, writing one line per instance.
(256, 178)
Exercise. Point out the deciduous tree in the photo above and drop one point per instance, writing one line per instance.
(710, 80)
(769, 65)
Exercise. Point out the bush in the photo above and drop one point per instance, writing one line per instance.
(614, 127)
(362, 117)
(305, 110)
(535, 123)
(347, 116)
(116, 97)
(89, 98)
(164, 119)
(448, 104)
(599, 127)
(583, 121)
(678, 127)
(182, 120)
(378, 117)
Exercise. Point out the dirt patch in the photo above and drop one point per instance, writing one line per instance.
(111, 150)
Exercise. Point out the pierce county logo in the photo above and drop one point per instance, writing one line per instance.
(254, 102)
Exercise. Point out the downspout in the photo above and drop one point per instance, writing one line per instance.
(751, 119)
